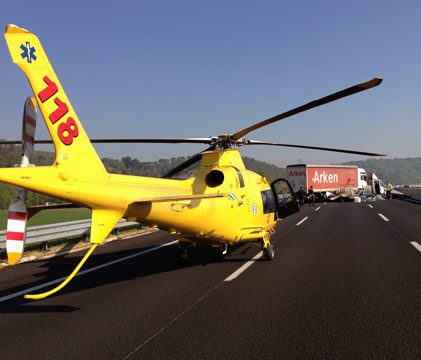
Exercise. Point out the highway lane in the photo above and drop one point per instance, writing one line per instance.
(344, 284)
(123, 303)
(336, 295)
(405, 217)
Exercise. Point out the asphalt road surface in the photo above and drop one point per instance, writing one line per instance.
(345, 283)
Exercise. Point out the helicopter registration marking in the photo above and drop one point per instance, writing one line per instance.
(67, 130)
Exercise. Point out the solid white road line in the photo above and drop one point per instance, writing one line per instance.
(317, 208)
(34, 288)
(299, 223)
(383, 217)
(416, 245)
(370, 206)
(243, 268)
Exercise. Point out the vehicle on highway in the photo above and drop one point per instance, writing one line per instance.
(376, 185)
(221, 204)
(328, 181)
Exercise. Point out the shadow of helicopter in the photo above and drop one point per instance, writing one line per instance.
(149, 264)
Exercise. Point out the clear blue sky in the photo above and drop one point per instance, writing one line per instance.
(201, 68)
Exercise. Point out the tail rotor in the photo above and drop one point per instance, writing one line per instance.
(18, 211)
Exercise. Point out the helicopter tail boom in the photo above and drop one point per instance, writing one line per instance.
(77, 174)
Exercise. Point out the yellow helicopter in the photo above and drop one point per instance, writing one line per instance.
(221, 203)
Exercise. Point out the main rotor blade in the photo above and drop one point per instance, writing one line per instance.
(193, 160)
(154, 141)
(336, 96)
(127, 141)
(255, 142)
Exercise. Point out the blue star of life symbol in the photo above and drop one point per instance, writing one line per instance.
(28, 52)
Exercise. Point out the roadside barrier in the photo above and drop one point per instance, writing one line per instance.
(44, 233)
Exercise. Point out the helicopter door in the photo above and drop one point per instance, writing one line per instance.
(286, 204)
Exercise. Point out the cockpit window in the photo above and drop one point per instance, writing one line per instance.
(268, 201)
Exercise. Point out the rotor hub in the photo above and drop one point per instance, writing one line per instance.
(227, 141)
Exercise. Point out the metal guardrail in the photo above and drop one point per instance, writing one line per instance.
(43, 233)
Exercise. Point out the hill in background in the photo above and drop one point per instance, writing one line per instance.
(396, 171)
(130, 166)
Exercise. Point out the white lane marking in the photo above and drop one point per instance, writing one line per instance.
(317, 208)
(243, 268)
(299, 223)
(416, 245)
(383, 217)
(34, 288)
(370, 206)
